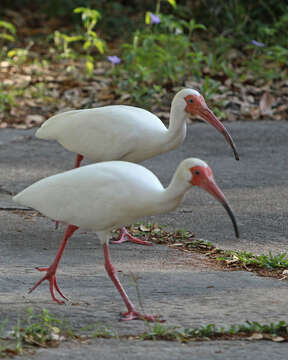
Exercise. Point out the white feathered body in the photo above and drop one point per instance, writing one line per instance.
(116, 132)
(100, 196)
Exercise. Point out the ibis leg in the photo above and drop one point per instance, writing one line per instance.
(131, 314)
(79, 158)
(51, 270)
(125, 236)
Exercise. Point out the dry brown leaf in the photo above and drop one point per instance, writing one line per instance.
(144, 228)
(266, 103)
(30, 102)
(105, 96)
(255, 113)
(255, 336)
(278, 339)
(283, 107)
(163, 114)
(34, 119)
(3, 125)
(175, 245)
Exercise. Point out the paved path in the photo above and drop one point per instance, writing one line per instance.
(180, 286)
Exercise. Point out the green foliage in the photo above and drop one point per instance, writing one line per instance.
(18, 55)
(45, 330)
(270, 261)
(89, 39)
(63, 43)
(7, 99)
(99, 330)
(155, 58)
(200, 244)
(280, 328)
(243, 20)
(161, 54)
(205, 332)
(7, 31)
(40, 330)
(161, 332)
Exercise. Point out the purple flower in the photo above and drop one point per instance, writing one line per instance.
(257, 43)
(154, 18)
(114, 59)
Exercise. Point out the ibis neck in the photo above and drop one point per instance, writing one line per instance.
(173, 195)
(177, 126)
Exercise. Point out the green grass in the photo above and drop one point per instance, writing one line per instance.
(44, 330)
(34, 330)
(208, 332)
(270, 261)
(185, 240)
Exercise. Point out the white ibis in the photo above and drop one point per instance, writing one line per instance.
(127, 133)
(104, 196)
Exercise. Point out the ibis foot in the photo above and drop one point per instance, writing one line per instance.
(135, 315)
(51, 277)
(125, 236)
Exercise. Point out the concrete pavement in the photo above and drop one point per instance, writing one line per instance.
(182, 287)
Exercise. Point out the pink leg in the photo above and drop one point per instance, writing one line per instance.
(131, 314)
(51, 270)
(79, 158)
(125, 236)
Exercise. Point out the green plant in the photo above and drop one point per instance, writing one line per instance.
(199, 244)
(159, 331)
(45, 330)
(89, 39)
(250, 327)
(162, 56)
(273, 261)
(8, 31)
(211, 331)
(40, 330)
(63, 43)
(99, 331)
(270, 261)
(7, 98)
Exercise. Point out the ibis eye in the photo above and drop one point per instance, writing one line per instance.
(191, 101)
(197, 172)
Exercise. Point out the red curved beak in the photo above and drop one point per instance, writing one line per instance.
(209, 116)
(207, 182)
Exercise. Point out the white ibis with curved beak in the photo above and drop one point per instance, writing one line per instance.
(105, 196)
(127, 133)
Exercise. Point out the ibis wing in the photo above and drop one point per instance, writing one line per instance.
(107, 133)
(94, 197)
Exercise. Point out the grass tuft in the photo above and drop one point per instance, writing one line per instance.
(181, 239)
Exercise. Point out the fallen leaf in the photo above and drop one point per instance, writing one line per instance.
(266, 103)
(32, 120)
(278, 339)
(144, 228)
(255, 336)
(175, 245)
(255, 113)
